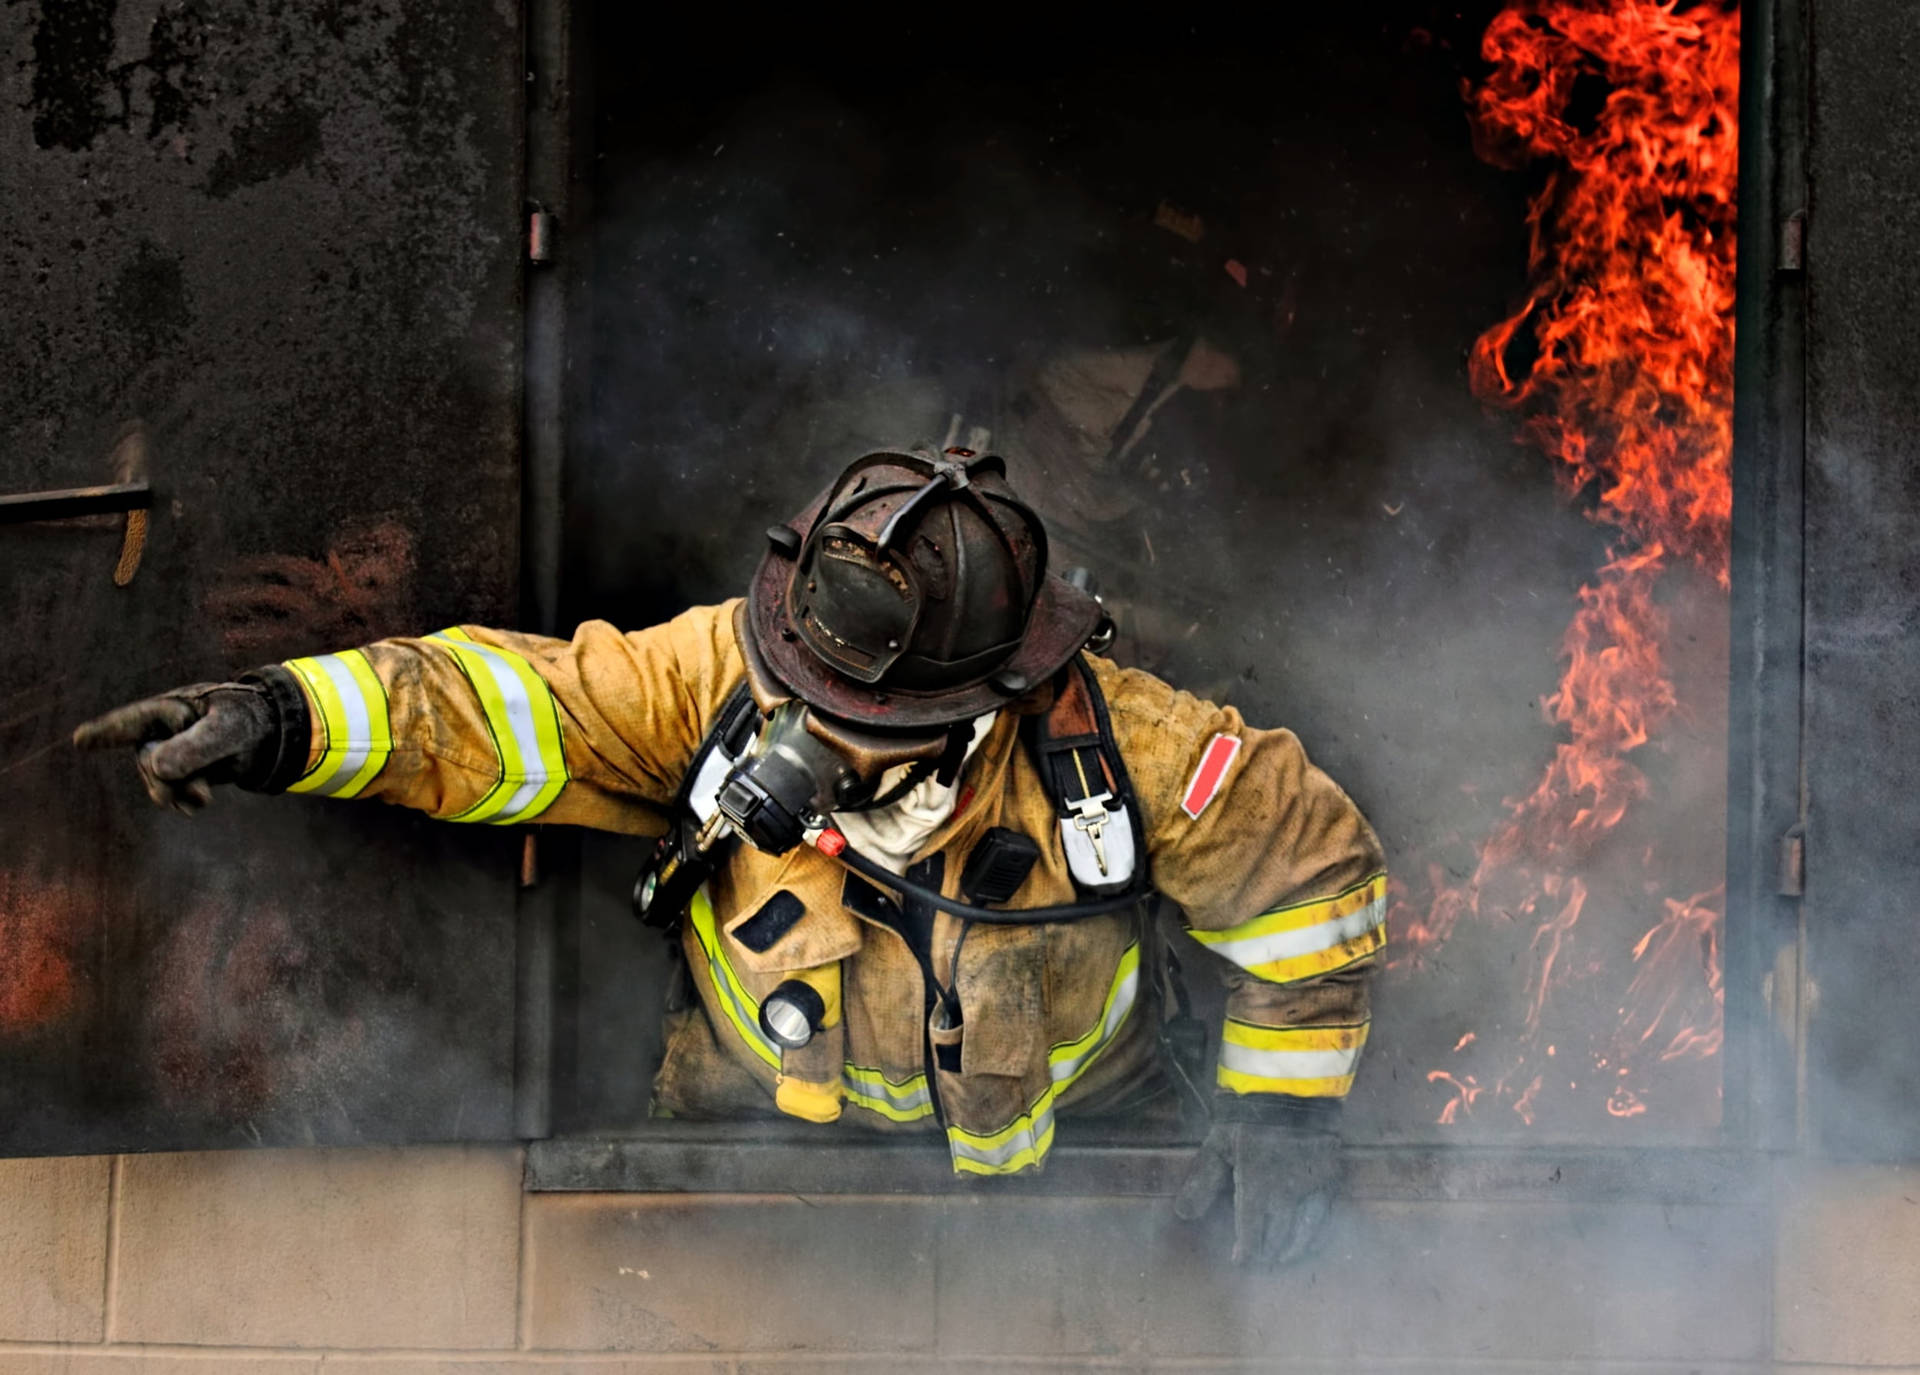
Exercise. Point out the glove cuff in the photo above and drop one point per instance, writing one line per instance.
(282, 756)
(1278, 1110)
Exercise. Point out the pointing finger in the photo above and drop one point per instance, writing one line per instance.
(155, 718)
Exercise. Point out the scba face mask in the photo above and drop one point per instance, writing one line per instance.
(776, 781)
(805, 765)
(773, 780)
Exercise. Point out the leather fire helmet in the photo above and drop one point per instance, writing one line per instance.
(914, 592)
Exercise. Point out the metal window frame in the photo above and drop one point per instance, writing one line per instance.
(1761, 1095)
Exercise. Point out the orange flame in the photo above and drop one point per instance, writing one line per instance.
(1621, 363)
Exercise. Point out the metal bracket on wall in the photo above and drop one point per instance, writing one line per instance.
(1793, 243)
(133, 498)
(539, 235)
(1793, 863)
(65, 503)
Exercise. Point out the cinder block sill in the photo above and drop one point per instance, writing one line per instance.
(774, 1158)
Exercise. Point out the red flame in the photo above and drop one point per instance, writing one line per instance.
(1621, 365)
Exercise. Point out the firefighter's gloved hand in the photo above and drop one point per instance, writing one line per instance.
(187, 740)
(1284, 1178)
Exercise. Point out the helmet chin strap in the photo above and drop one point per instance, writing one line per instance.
(948, 765)
(915, 775)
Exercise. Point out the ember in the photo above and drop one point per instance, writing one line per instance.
(1621, 363)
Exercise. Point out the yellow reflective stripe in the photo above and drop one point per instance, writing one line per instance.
(1238, 1033)
(1020, 1145)
(1321, 961)
(1308, 938)
(1306, 1062)
(524, 721)
(356, 732)
(1301, 915)
(1067, 1061)
(736, 1004)
(1024, 1142)
(1237, 1081)
(906, 1101)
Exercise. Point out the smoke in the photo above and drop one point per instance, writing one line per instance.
(794, 265)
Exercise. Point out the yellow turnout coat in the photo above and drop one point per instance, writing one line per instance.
(1273, 867)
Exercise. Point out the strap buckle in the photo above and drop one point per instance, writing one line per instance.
(1090, 815)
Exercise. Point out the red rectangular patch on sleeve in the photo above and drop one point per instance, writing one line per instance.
(1208, 777)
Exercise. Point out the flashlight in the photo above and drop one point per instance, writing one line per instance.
(792, 1014)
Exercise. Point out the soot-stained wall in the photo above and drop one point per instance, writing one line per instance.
(266, 256)
(801, 253)
(1862, 582)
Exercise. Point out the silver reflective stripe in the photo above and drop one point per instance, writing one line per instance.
(359, 741)
(743, 1014)
(913, 1096)
(519, 708)
(1289, 1064)
(1026, 1139)
(1065, 1070)
(1280, 945)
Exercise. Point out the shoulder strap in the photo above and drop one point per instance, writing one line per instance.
(729, 737)
(1086, 778)
(677, 868)
(1076, 727)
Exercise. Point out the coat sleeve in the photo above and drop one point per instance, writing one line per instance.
(495, 726)
(1277, 873)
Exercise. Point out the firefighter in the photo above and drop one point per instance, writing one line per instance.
(907, 823)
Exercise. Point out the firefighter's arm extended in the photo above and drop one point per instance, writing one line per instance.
(468, 724)
(1278, 874)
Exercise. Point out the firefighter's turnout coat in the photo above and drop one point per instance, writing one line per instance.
(1272, 865)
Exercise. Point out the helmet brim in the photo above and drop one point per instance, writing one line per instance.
(1062, 619)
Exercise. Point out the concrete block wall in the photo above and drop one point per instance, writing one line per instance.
(410, 1262)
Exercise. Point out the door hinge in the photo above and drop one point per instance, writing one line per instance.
(1793, 242)
(1792, 871)
(539, 235)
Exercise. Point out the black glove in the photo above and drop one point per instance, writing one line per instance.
(191, 738)
(1284, 1177)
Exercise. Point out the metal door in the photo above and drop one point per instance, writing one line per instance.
(265, 260)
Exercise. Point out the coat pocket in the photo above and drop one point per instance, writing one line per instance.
(1001, 987)
(782, 914)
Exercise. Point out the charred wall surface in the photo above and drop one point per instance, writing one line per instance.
(265, 257)
(1862, 580)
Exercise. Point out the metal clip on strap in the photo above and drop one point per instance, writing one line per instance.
(1096, 827)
